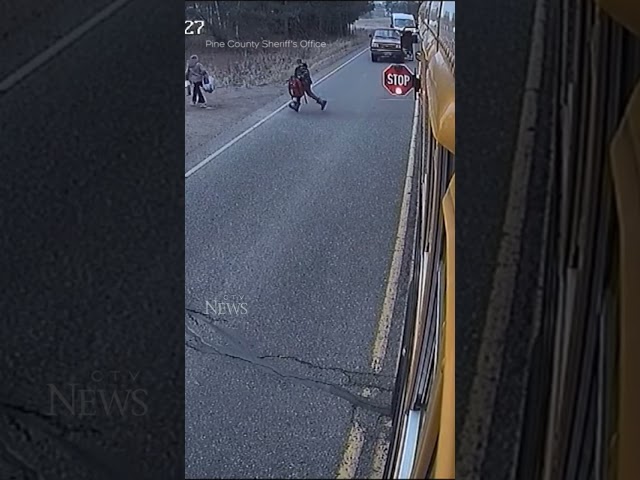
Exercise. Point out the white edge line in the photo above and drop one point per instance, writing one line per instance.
(475, 431)
(60, 45)
(256, 125)
(384, 324)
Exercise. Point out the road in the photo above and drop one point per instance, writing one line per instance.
(500, 232)
(294, 227)
(85, 293)
(238, 243)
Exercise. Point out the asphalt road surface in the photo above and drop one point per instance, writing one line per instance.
(494, 94)
(293, 228)
(87, 286)
(298, 218)
(30, 26)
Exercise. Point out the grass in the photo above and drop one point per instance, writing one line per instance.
(252, 67)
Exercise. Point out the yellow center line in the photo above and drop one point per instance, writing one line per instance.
(356, 438)
(351, 456)
(384, 322)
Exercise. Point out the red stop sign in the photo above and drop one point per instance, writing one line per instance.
(397, 79)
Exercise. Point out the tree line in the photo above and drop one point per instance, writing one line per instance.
(402, 7)
(273, 20)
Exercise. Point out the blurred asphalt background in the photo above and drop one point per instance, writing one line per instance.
(92, 251)
(116, 303)
(493, 42)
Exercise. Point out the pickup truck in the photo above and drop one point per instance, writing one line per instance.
(385, 42)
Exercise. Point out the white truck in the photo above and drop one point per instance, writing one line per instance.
(403, 21)
(406, 24)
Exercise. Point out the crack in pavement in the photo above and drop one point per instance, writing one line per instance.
(239, 342)
(235, 340)
(52, 420)
(14, 459)
(26, 422)
(320, 367)
(354, 378)
(197, 343)
(197, 312)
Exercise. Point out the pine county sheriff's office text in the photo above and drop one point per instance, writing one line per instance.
(265, 44)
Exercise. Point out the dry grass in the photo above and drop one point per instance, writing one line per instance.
(251, 67)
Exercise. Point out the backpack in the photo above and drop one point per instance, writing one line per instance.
(296, 89)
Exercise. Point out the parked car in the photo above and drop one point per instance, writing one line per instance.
(386, 42)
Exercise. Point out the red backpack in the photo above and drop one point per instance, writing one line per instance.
(296, 89)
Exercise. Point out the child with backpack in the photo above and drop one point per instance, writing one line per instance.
(300, 85)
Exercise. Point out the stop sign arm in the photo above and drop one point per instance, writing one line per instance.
(397, 79)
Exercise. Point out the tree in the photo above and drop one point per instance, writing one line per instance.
(278, 19)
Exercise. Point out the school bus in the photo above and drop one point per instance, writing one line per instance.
(585, 414)
(423, 443)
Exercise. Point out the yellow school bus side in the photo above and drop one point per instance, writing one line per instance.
(438, 96)
(423, 444)
(444, 457)
(440, 90)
